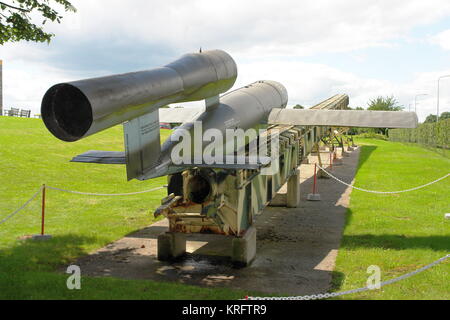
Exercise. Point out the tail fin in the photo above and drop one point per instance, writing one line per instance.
(142, 144)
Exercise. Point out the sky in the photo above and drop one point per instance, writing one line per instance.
(315, 48)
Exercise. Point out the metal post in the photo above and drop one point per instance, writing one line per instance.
(415, 100)
(1, 88)
(315, 179)
(331, 161)
(42, 236)
(314, 196)
(438, 94)
(43, 211)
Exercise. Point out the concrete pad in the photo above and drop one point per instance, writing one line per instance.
(296, 248)
(171, 246)
(314, 197)
(41, 237)
(293, 190)
(244, 249)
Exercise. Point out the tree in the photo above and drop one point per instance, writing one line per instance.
(299, 107)
(384, 104)
(432, 118)
(16, 22)
(445, 115)
(359, 108)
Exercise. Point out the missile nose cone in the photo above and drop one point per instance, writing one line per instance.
(66, 112)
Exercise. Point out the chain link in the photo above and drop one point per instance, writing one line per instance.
(22, 207)
(104, 194)
(74, 192)
(382, 192)
(337, 294)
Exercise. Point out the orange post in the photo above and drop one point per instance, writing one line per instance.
(315, 179)
(331, 161)
(43, 210)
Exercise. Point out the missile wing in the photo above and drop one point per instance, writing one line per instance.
(179, 115)
(344, 118)
(333, 113)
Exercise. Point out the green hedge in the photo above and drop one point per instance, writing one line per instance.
(430, 134)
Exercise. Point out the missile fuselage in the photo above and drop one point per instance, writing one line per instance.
(245, 108)
(72, 111)
(75, 110)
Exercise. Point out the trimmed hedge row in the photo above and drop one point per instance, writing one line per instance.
(430, 134)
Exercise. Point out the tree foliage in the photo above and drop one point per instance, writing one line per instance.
(432, 118)
(299, 107)
(16, 19)
(444, 116)
(384, 104)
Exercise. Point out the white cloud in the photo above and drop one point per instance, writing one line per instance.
(309, 84)
(267, 38)
(442, 39)
(262, 27)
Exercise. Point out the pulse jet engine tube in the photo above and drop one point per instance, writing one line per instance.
(72, 111)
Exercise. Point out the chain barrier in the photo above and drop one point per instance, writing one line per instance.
(105, 194)
(22, 207)
(75, 192)
(338, 294)
(382, 192)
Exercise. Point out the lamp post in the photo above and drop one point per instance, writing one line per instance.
(439, 83)
(415, 100)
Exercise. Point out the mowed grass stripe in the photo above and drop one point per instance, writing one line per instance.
(399, 233)
(30, 157)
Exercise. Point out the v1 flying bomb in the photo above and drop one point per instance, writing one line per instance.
(220, 197)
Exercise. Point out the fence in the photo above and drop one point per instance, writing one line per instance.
(435, 135)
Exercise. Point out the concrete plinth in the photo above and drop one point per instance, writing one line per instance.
(244, 249)
(171, 245)
(293, 190)
(41, 237)
(314, 197)
(322, 175)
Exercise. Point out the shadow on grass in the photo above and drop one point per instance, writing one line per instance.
(31, 255)
(366, 152)
(396, 242)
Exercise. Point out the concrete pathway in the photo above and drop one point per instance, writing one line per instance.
(296, 249)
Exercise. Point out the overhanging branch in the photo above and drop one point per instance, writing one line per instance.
(13, 7)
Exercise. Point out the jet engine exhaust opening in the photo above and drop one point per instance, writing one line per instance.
(176, 184)
(66, 112)
(199, 189)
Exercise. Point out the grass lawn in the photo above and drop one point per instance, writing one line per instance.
(399, 233)
(31, 156)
